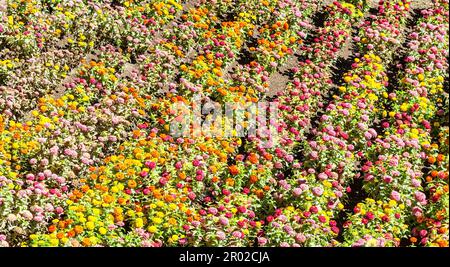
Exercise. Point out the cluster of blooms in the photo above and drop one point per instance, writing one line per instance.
(88, 158)
(336, 146)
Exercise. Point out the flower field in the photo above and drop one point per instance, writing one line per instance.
(357, 154)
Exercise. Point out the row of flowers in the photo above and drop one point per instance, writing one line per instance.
(394, 167)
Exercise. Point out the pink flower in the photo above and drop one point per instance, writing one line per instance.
(262, 241)
(27, 215)
(415, 182)
(420, 197)
(238, 234)
(318, 191)
(395, 195)
(220, 235)
(178, 165)
(54, 150)
(150, 164)
(322, 176)
(297, 191)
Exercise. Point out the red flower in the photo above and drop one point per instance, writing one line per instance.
(226, 192)
(313, 209)
(242, 209)
(322, 219)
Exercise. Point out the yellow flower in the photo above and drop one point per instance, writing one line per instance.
(54, 242)
(102, 230)
(139, 223)
(373, 97)
(90, 225)
(175, 238)
(93, 240)
(152, 229)
(392, 203)
(157, 220)
(372, 242)
(404, 107)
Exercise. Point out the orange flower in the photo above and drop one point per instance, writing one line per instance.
(431, 160)
(122, 201)
(413, 240)
(108, 198)
(259, 193)
(229, 182)
(52, 228)
(120, 176)
(253, 158)
(169, 198)
(268, 156)
(71, 233)
(78, 229)
(132, 184)
(62, 224)
(86, 242)
(234, 170)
